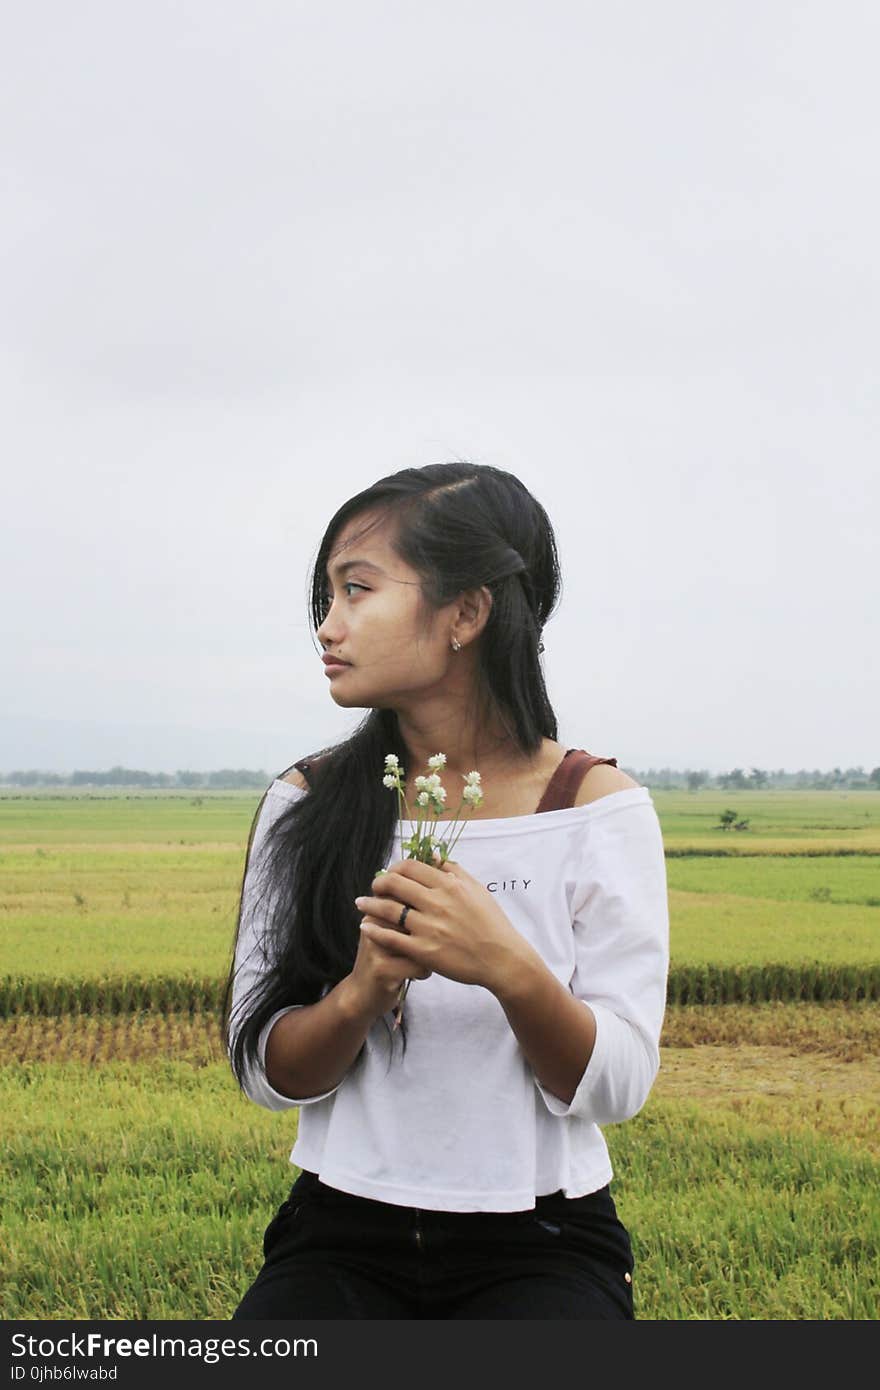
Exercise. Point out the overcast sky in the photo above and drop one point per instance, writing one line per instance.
(255, 256)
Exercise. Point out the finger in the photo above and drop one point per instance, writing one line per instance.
(403, 888)
(414, 870)
(387, 911)
(394, 941)
(391, 948)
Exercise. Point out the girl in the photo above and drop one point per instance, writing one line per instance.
(454, 1168)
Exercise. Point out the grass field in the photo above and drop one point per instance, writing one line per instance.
(138, 1181)
(141, 1190)
(149, 884)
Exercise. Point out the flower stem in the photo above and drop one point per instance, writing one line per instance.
(458, 836)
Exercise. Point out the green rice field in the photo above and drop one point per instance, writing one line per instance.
(138, 1181)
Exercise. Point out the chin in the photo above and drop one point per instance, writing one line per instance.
(346, 702)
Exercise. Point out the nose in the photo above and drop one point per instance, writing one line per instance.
(329, 633)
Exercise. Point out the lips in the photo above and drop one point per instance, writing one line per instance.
(333, 663)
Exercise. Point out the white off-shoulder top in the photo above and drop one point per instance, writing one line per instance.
(459, 1122)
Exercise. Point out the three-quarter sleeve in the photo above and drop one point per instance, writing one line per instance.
(621, 943)
(251, 961)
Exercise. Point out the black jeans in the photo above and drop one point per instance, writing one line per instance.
(330, 1254)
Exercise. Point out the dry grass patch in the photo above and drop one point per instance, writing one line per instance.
(848, 1032)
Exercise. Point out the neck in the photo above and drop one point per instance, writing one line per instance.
(440, 727)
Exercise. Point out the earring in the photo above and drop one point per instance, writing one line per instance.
(456, 645)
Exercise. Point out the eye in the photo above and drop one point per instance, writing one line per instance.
(327, 598)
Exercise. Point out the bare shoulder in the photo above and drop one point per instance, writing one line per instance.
(602, 780)
(295, 778)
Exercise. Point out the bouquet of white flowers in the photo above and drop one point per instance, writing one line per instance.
(423, 844)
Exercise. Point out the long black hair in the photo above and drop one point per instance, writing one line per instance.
(460, 526)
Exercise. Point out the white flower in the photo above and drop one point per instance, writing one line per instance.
(422, 783)
(433, 781)
(389, 781)
(438, 760)
(391, 760)
(423, 798)
(473, 794)
(473, 779)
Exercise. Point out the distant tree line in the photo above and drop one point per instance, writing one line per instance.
(758, 779)
(224, 778)
(228, 778)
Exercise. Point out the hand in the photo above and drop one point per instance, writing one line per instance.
(380, 972)
(454, 925)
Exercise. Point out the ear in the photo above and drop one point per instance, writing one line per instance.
(474, 608)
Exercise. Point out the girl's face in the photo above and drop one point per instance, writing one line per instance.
(376, 622)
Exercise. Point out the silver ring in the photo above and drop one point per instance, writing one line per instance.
(402, 918)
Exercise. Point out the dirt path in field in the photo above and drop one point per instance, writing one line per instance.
(746, 1070)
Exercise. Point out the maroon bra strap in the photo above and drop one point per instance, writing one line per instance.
(562, 788)
(307, 766)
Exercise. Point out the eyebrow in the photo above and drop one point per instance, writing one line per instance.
(347, 565)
